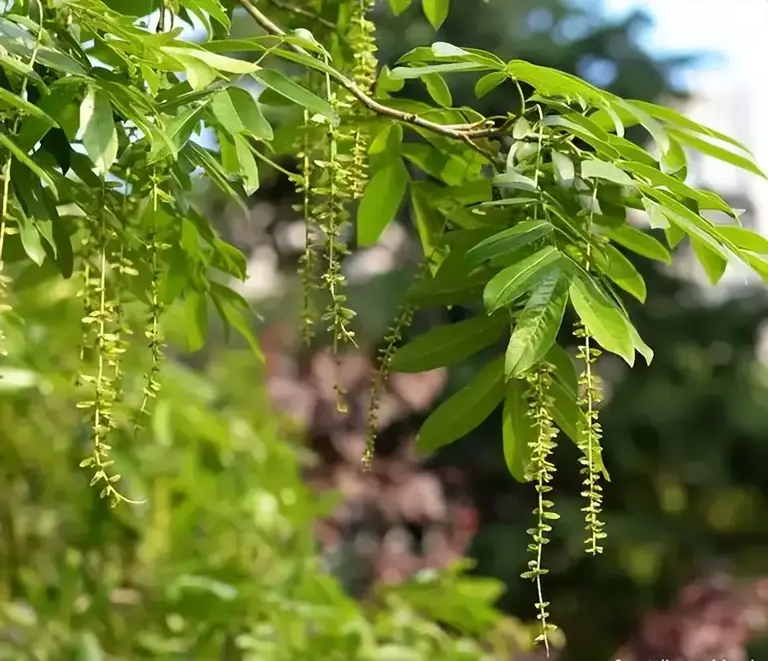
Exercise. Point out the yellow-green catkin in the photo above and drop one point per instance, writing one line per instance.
(102, 337)
(363, 42)
(541, 471)
(590, 434)
(590, 431)
(152, 330)
(100, 316)
(310, 258)
(402, 321)
(332, 215)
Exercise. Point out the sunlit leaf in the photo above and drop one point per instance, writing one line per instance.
(603, 320)
(506, 287)
(537, 325)
(99, 134)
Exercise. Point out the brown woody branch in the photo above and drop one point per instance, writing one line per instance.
(464, 132)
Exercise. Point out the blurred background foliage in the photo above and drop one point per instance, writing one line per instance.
(222, 561)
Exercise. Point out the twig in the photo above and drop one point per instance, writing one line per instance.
(465, 133)
(285, 6)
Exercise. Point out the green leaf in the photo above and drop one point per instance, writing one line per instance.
(248, 167)
(743, 238)
(438, 89)
(624, 274)
(537, 325)
(673, 117)
(30, 239)
(565, 171)
(564, 368)
(675, 161)
(639, 242)
(11, 100)
(447, 289)
(197, 319)
(231, 307)
(448, 344)
(22, 69)
(436, 11)
(603, 319)
(253, 121)
(213, 60)
(658, 178)
(292, 91)
(714, 265)
(199, 74)
(399, 6)
(719, 153)
(506, 287)
(642, 348)
(201, 157)
(178, 132)
(465, 410)
(381, 200)
(429, 222)
(99, 134)
(21, 157)
(65, 258)
(596, 169)
(518, 431)
(55, 105)
(489, 82)
(408, 73)
(224, 110)
(216, 11)
(506, 241)
(691, 223)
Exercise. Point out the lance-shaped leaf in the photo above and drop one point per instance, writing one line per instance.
(250, 114)
(680, 121)
(639, 242)
(688, 221)
(300, 95)
(518, 431)
(596, 169)
(714, 265)
(743, 238)
(465, 410)
(602, 318)
(506, 287)
(436, 11)
(448, 344)
(99, 134)
(213, 60)
(382, 198)
(623, 272)
(564, 368)
(717, 152)
(537, 324)
(21, 156)
(522, 234)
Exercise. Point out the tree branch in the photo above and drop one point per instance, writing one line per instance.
(465, 133)
(286, 6)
